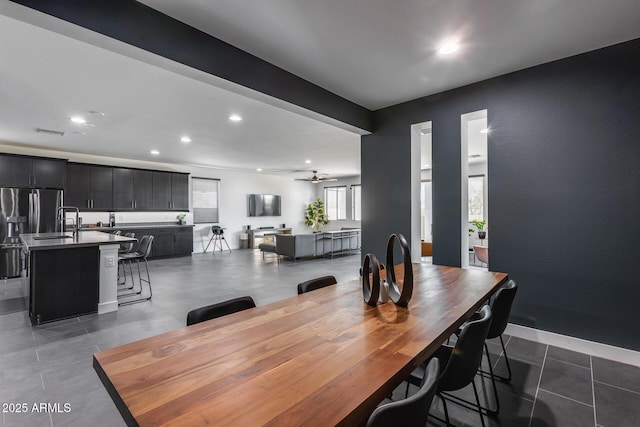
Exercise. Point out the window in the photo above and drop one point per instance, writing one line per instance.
(205, 200)
(476, 198)
(335, 202)
(356, 191)
(426, 214)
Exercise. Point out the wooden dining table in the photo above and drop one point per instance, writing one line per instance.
(322, 358)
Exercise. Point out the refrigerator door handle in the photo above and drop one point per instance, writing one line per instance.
(34, 212)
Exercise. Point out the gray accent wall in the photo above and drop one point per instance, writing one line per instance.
(564, 187)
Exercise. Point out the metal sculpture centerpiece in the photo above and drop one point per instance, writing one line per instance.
(371, 274)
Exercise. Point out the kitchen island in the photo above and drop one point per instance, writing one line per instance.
(71, 275)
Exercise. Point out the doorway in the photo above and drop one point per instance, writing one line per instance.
(474, 192)
(421, 191)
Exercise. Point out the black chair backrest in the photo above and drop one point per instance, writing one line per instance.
(412, 411)
(127, 247)
(466, 356)
(501, 308)
(220, 309)
(144, 247)
(216, 229)
(317, 283)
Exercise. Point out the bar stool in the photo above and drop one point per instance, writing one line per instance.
(217, 236)
(143, 251)
(124, 248)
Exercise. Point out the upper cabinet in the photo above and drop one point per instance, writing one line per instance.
(89, 187)
(132, 189)
(32, 172)
(170, 191)
(100, 188)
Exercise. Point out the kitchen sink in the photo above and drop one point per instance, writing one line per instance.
(57, 236)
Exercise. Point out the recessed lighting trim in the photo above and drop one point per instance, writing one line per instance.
(154, 152)
(307, 161)
(235, 118)
(259, 169)
(185, 139)
(448, 48)
(78, 119)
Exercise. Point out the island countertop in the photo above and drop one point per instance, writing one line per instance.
(46, 241)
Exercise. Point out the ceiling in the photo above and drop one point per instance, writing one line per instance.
(378, 53)
(373, 52)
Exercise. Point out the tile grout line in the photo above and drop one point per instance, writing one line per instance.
(565, 397)
(572, 364)
(593, 394)
(618, 387)
(535, 398)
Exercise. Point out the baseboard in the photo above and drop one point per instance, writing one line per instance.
(593, 348)
(107, 307)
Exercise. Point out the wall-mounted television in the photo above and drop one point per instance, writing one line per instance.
(264, 205)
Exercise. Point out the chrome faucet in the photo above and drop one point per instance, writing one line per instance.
(61, 214)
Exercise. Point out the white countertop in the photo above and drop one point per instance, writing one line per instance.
(45, 241)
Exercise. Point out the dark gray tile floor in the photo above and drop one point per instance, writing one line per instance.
(51, 364)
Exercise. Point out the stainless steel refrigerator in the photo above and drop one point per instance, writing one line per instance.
(24, 211)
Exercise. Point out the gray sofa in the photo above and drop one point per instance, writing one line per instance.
(299, 245)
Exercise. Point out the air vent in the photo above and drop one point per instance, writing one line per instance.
(425, 131)
(474, 156)
(50, 132)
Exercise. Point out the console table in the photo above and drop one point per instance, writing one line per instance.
(261, 233)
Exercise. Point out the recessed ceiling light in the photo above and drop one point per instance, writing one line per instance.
(185, 139)
(427, 165)
(484, 131)
(154, 152)
(235, 118)
(259, 169)
(307, 161)
(448, 48)
(79, 120)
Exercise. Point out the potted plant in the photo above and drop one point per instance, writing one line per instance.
(482, 234)
(315, 217)
(181, 218)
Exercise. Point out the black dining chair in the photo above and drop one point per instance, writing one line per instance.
(460, 363)
(317, 283)
(412, 411)
(500, 311)
(220, 309)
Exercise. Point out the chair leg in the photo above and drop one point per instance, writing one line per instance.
(205, 249)
(475, 391)
(493, 382)
(226, 243)
(446, 411)
(506, 359)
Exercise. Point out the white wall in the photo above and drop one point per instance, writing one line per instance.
(348, 182)
(234, 188)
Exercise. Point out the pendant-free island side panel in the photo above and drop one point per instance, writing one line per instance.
(63, 283)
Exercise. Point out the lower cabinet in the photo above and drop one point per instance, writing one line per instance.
(167, 241)
(63, 283)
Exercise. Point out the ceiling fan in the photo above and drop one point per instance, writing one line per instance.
(315, 179)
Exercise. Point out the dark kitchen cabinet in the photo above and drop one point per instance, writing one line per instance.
(132, 189)
(30, 172)
(163, 242)
(170, 191)
(89, 187)
(162, 191)
(167, 241)
(184, 241)
(180, 192)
